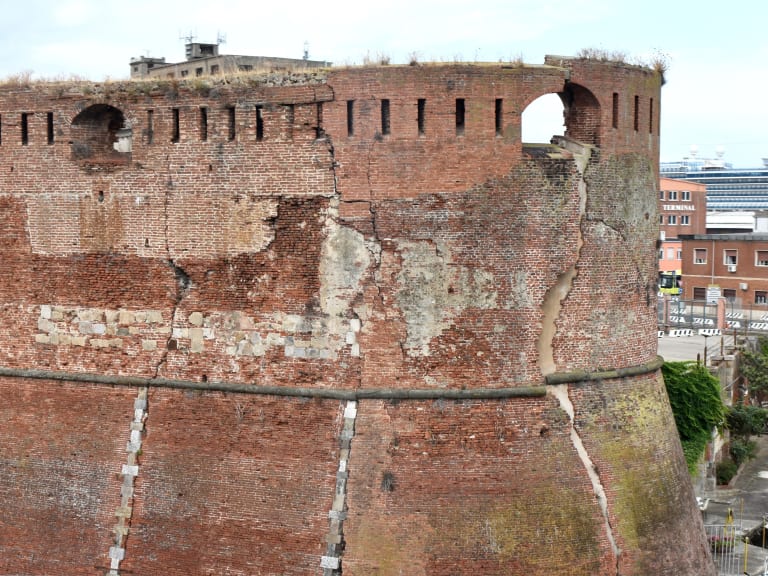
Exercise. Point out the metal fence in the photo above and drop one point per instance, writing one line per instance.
(740, 318)
(729, 548)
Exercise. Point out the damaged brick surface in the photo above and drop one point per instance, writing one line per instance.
(293, 232)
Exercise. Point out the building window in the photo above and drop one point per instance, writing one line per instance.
(460, 116)
(672, 195)
(350, 117)
(661, 194)
(198, 71)
(499, 115)
(699, 293)
(670, 253)
(421, 108)
(761, 258)
(685, 220)
(385, 120)
(685, 196)
(730, 257)
(49, 118)
(203, 124)
(700, 256)
(661, 218)
(184, 73)
(175, 130)
(761, 297)
(150, 126)
(637, 113)
(231, 132)
(679, 254)
(661, 253)
(615, 111)
(215, 69)
(24, 128)
(259, 122)
(729, 294)
(671, 219)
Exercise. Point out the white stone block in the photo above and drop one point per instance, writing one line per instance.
(355, 324)
(129, 470)
(45, 312)
(329, 562)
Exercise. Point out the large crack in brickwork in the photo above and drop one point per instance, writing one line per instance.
(560, 392)
(555, 296)
(551, 308)
(183, 281)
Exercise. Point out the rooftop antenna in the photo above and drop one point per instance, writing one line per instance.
(189, 38)
(306, 50)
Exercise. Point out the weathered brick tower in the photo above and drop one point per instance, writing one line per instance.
(341, 322)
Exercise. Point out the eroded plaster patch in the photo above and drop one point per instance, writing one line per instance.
(433, 291)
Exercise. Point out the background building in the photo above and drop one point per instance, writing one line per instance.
(204, 60)
(734, 264)
(682, 210)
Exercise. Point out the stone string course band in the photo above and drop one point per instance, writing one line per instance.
(337, 394)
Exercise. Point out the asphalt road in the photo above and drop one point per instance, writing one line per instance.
(689, 347)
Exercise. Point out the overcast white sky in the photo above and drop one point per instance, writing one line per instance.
(717, 52)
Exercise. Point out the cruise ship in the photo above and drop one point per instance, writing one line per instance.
(728, 188)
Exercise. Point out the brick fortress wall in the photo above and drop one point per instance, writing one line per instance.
(336, 322)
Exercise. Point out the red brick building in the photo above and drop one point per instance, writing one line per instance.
(340, 320)
(736, 264)
(682, 210)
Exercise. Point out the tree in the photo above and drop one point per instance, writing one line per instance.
(754, 367)
(694, 395)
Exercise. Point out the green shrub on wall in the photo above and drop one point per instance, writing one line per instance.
(694, 395)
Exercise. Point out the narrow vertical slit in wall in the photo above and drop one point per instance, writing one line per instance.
(1, 129)
(385, 126)
(176, 132)
(203, 123)
(650, 116)
(460, 116)
(291, 118)
(319, 131)
(49, 120)
(24, 128)
(350, 117)
(637, 113)
(259, 122)
(615, 116)
(150, 126)
(421, 108)
(499, 115)
(231, 115)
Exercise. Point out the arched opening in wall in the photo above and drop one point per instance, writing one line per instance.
(542, 119)
(100, 136)
(573, 113)
(582, 114)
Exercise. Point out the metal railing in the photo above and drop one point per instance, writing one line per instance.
(729, 548)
